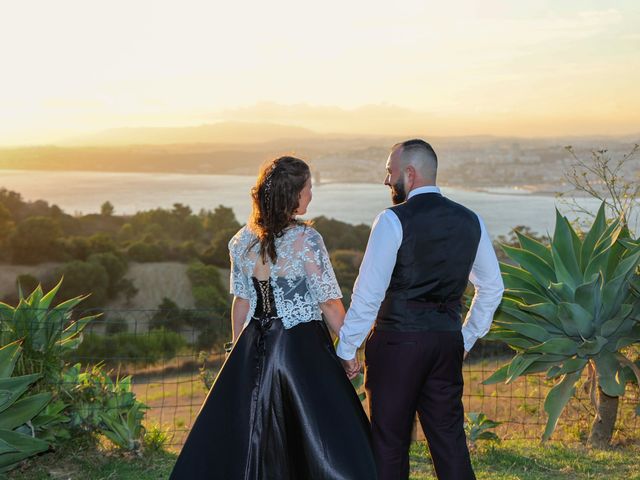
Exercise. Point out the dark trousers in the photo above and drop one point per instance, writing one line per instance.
(409, 372)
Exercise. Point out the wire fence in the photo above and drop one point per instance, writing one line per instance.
(173, 357)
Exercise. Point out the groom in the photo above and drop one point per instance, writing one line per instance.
(420, 256)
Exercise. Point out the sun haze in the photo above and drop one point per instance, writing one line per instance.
(528, 68)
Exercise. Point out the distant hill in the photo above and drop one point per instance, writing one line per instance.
(223, 132)
(144, 159)
(207, 158)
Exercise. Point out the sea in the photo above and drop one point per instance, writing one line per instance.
(502, 208)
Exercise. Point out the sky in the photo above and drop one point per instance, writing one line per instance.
(527, 68)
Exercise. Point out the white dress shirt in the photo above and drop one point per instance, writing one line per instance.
(375, 274)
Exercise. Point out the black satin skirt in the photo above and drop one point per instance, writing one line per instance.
(281, 408)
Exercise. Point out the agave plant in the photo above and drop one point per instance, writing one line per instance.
(124, 428)
(47, 333)
(17, 410)
(570, 306)
(98, 403)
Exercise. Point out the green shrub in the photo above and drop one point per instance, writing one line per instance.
(156, 438)
(130, 348)
(208, 291)
(99, 403)
(477, 426)
(210, 298)
(114, 265)
(218, 253)
(168, 316)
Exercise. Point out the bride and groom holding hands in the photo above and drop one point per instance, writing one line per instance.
(282, 406)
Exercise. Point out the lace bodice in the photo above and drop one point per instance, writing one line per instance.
(301, 278)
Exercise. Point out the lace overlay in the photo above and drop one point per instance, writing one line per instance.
(301, 278)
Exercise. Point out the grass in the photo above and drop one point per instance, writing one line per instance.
(175, 400)
(83, 459)
(509, 460)
(524, 460)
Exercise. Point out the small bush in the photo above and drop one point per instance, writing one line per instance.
(156, 437)
(130, 348)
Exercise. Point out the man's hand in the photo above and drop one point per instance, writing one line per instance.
(351, 367)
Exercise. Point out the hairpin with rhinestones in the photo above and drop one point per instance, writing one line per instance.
(267, 183)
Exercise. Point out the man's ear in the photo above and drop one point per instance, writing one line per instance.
(409, 177)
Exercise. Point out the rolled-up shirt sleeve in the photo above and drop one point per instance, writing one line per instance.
(485, 277)
(372, 282)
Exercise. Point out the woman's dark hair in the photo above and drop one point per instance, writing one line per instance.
(276, 197)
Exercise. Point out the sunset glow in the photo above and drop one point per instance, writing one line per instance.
(506, 68)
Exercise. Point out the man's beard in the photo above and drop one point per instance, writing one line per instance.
(398, 193)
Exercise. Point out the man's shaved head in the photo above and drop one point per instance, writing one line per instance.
(421, 156)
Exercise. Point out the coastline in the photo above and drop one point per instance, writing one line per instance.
(543, 190)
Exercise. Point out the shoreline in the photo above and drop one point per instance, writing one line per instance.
(519, 190)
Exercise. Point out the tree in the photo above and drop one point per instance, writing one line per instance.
(107, 209)
(218, 253)
(127, 232)
(13, 202)
(191, 228)
(345, 265)
(167, 316)
(7, 226)
(116, 268)
(181, 211)
(102, 243)
(145, 252)
(78, 248)
(83, 278)
(208, 290)
(222, 218)
(614, 183)
(35, 240)
(337, 234)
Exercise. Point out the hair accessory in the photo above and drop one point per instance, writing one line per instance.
(267, 183)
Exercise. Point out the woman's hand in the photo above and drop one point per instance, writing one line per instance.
(351, 367)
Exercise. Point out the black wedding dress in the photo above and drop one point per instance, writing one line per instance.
(281, 408)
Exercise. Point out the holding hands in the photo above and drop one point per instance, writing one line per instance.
(351, 367)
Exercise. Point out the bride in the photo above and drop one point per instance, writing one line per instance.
(281, 407)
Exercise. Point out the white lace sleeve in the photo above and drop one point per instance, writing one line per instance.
(321, 280)
(238, 283)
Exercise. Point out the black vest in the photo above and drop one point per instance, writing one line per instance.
(439, 244)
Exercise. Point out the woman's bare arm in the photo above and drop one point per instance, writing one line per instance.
(239, 311)
(334, 313)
